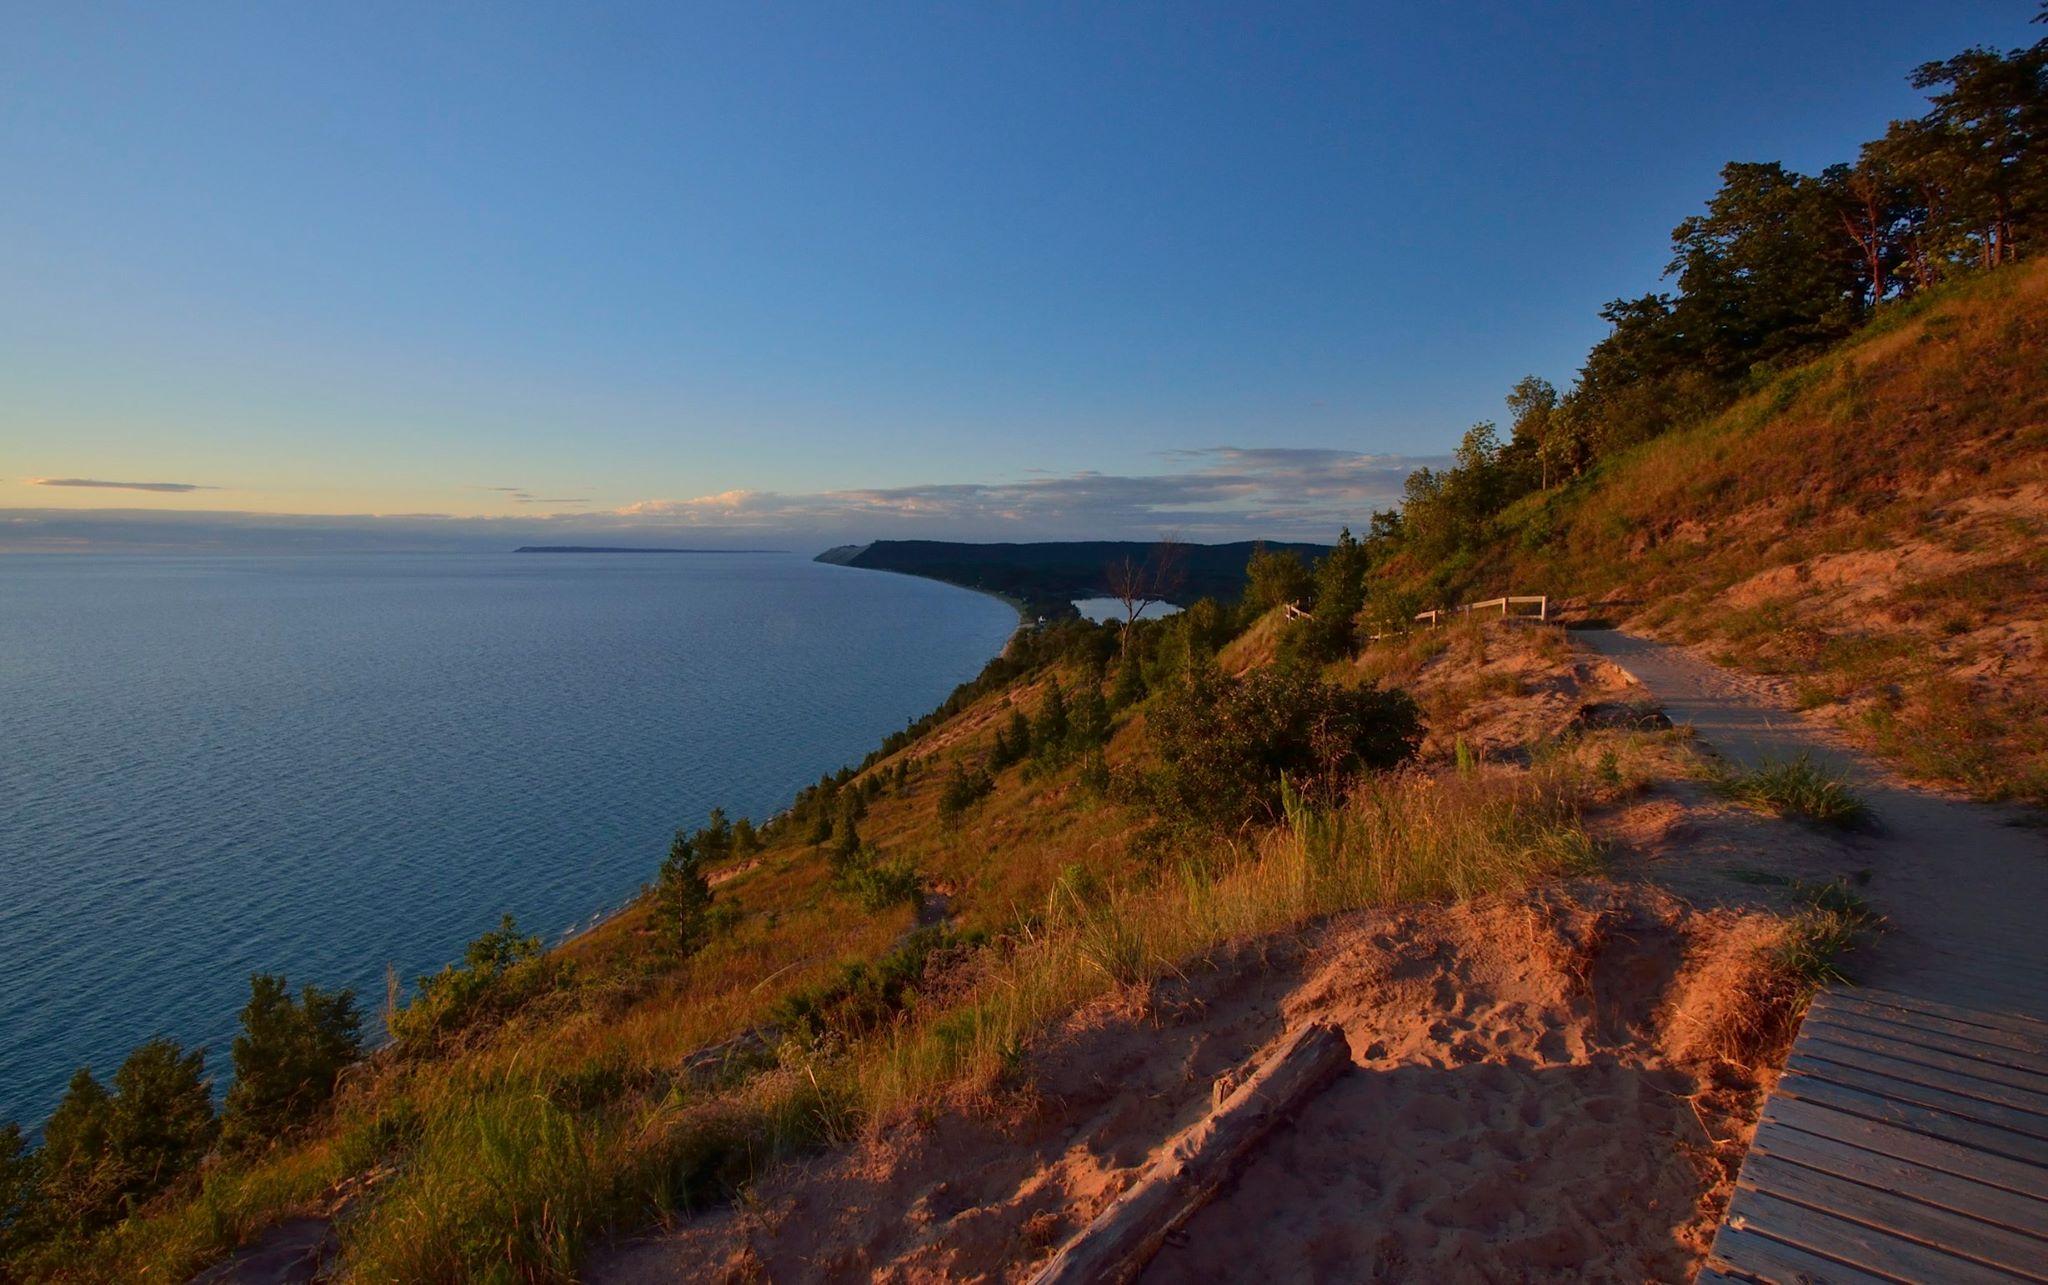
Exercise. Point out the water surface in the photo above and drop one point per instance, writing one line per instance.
(324, 765)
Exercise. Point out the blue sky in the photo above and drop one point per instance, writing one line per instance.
(824, 272)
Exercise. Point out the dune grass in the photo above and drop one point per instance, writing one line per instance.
(1796, 787)
(512, 1168)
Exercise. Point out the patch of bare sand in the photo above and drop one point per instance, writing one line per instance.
(1540, 1091)
(1500, 687)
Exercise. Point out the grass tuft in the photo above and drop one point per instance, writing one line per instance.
(1795, 787)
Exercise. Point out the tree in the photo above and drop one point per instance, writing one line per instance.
(682, 897)
(159, 1121)
(1533, 403)
(1330, 632)
(1138, 584)
(746, 840)
(77, 1168)
(1049, 733)
(20, 1190)
(1872, 202)
(846, 844)
(1013, 743)
(1764, 274)
(1091, 726)
(821, 827)
(1275, 578)
(1130, 686)
(962, 790)
(714, 841)
(288, 1056)
(1991, 110)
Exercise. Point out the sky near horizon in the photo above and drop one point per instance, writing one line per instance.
(809, 273)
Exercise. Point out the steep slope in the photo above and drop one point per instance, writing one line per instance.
(1871, 527)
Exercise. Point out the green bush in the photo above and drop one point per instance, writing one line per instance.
(962, 791)
(104, 1152)
(288, 1056)
(1227, 743)
(879, 882)
(499, 972)
(866, 996)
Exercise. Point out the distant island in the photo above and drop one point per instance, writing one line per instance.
(1044, 578)
(606, 548)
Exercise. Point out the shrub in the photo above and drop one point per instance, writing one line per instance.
(288, 1056)
(1227, 743)
(963, 790)
(879, 882)
(864, 996)
(500, 971)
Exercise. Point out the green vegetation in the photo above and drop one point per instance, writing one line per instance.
(1834, 920)
(499, 972)
(1230, 747)
(288, 1057)
(1794, 787)
(682, 895)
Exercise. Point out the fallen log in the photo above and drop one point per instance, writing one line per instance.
(1124, 1237)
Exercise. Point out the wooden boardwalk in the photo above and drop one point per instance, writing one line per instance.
(1908, 1141)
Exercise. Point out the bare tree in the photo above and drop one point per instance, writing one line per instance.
(1139, 583)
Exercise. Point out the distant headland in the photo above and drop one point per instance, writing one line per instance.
(1044, 578)
(606, 548)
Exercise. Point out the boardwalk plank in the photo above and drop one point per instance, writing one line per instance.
(2029, 1130)
(1820, 1042)
(1874, 1251)
(2016, 1024)
(2023, 1216)
(1924, 1046)
(1896, 1214)
(1907, 1115)
(1977, 1165)
(2033, 1051)
(1749, 1254)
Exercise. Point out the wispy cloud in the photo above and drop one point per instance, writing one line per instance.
(520, 495)
(101, 483)
(1225, 492)
(1208, 494)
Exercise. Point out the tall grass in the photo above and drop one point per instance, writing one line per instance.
(503, 1162)
(1402, 837)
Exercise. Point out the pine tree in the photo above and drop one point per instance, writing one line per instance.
(683, 897)
(1091, 713)
(1049, 735)
(745, 839)
(714, 841)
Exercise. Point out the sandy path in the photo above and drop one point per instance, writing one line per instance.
(1964, 885)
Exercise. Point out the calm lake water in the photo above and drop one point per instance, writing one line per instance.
(1100, 609)
(323, 765)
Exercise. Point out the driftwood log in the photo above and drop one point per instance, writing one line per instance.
(1180, 1180)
